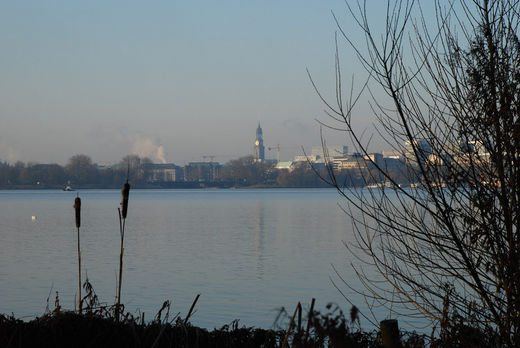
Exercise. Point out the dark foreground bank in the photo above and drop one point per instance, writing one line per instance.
(73, 330)
(70, 329)
(102, 325)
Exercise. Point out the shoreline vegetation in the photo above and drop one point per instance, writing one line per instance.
(99, 326)
(151, 187)
(102, 325)
(81, 172)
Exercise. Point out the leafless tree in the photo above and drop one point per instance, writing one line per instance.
(447, 248)
(80, 169)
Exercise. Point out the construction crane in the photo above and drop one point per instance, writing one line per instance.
(277, 147)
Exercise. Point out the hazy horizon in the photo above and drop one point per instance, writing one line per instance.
(112, 79)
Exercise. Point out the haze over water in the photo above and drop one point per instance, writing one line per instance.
(247, 252)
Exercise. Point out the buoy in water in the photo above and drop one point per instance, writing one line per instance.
(33, 217)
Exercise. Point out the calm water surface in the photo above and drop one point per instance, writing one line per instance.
(247, 252)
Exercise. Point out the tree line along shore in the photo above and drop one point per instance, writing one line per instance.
(82, 172)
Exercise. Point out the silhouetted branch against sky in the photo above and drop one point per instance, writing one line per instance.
(445, 249)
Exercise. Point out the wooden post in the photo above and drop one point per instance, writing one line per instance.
(390, 333)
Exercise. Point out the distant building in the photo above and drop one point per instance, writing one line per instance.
(309, 158)
(478, 147)
(167, 172)
(395, 154)
(103, 166)
(353, 161)
(289, 165)
(259, 149)
(271, 161)
(392, 163)
(333, 151)
(423, 149)
(202, 171)
(317, 155)
(375, 158)
(358, 161)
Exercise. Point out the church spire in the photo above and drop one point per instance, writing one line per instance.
(259, 149)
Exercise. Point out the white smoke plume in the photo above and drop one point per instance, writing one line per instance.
(161, 155)
(146, 147)
(8, 153)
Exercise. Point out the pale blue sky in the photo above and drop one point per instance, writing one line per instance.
(108, 78)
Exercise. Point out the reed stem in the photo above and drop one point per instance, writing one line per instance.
(309, 319)
(191, 309)
(120, 278)
(77, 210)
(125, 193)
(291, 324)
(79, 275)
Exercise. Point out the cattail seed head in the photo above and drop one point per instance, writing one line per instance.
(77, 209)
(125, 192)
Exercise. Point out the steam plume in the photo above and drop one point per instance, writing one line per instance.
(161, 156)
(146, 147)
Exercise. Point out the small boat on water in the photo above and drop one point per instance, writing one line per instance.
(68, 188)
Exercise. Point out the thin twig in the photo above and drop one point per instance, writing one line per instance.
(191, 309)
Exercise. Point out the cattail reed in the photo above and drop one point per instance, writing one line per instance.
(125, 193)
(77, 210)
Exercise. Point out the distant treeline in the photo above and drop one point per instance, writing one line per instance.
(81, 172)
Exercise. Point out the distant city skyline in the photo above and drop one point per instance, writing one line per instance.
(191, 79)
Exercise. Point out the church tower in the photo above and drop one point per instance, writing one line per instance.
(259, 145)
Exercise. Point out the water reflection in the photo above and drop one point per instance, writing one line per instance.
(247, 251)
(259, 238)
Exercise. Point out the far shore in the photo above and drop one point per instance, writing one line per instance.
(189, 185)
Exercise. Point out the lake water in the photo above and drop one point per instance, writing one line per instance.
(247, 252)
